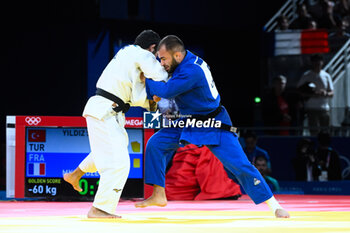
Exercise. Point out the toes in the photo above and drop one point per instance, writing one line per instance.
(140, 205)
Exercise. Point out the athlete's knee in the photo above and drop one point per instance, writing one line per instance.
(116, 169)
(117, 163)
(156, 144)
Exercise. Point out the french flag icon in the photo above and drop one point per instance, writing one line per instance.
(36, 169)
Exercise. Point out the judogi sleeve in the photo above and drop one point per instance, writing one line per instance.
(151, 68)
(148, 64)
(177, 84)
(139, 96)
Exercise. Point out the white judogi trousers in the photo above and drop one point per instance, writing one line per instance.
(108, 138)
(109, 156)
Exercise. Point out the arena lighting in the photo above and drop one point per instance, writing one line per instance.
(257, 99)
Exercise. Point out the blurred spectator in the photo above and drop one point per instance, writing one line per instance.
(276, 107)
(282, 23)
(311, 24)
(253, 151)
(303, 18)
(169, 109)
(339, 36)
(261, 164)
(327, 158)
(316, 86)
(323, 13)
(342, 8)
(305, 164)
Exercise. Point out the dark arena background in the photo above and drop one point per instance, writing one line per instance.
(53, 52)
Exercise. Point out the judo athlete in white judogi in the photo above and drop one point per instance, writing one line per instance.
(118, 86)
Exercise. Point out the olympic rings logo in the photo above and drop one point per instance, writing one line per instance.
(33, 120)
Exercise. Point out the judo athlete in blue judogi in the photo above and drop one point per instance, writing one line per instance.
(194, 91)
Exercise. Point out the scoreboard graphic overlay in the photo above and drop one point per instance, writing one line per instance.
(47, 147)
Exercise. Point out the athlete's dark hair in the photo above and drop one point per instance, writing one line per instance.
(172, 43)
(147, 38)
(316, 57)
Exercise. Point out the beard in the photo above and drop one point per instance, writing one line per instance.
(173, 66)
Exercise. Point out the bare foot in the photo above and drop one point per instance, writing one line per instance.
(97, 213)
(158, 198)
(73, 178)
(152, 201)
(281, 213)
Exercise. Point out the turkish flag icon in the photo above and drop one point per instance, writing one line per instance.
(36, 135)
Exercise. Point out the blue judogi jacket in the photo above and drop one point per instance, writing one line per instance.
(194, 91)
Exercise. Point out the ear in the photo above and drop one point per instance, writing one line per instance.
(177, 56)
(152, 48)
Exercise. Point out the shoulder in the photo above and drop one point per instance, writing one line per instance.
(189, 70)
(263, 152)
(192, 68)
(193, 63)
(135, 51)
(127, 52)
(325, 74)
(142, 53)
(271, 179)
(307, 74)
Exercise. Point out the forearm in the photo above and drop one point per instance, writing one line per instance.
(160, 89)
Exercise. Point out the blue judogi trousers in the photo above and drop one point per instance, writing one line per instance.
(162, 146)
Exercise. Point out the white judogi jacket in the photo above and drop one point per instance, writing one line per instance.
(121, 77)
